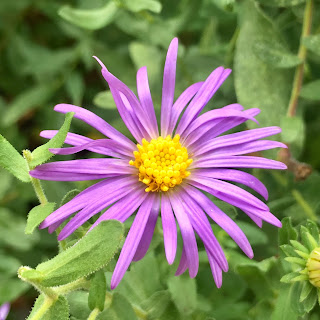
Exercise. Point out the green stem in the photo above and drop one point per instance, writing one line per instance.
(302, 54)
(304, 205)
(93, 315)
(42, 310)
(35, 182)
(81, 283)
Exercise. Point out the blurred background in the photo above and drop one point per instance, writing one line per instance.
(46, 50)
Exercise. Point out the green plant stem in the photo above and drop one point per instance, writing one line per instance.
(302, 54)
(81, 283)
(93, 315)
(35, 182)
(42, 310)
(304, 205)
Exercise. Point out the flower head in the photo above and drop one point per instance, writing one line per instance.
(165, 171)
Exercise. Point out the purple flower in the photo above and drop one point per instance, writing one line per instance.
(165, 171)
(4, 310)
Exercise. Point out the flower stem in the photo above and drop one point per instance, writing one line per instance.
(35, 182)
(302, 53)
(81, 283)
(304, 205)
(42, 310)
(93, 315)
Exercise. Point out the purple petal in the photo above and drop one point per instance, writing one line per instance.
(146, 99)
(82, 199)
(208, 89)
(124, 208)
(221, 219)
(96, 122)
(256, 220)
(239, 162)
(99, 202)
(227, 191)
(4, 310)
(148, 232)
(202, 226)
(215, 269)
(238, 138)
(188, 236)
(133, 238)
(183, 265)
(62, 176)
(235, 176)
(169, 229)
(244, 148)
(112, 147)
(168, 86)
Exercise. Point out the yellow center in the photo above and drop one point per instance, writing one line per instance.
(162, 163)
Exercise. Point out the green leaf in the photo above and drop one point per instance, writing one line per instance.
(105, 100)
(305, 238)
(42, 153)
(311, 90)
(292, 129)
(37, 215)
(306, 289)
(97, 293)
(119, 309)
(255, 235)
(283, 308)
(88, 255)
(75, 87)
(48, 309)
(90, 19)
(310, 300)
(289, 250)
(295, 292)
(78, 301)
(312, 43)
(287, 232)
(313, 229)
(11, 160)
(27, 101)
(281, 3)
(288, 277)
(157, 304)
(184, 293)
(69, 196)
(258, 84)
(138, 5)
(275, 55)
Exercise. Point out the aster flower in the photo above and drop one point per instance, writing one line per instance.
(165, 171)
(4, 310)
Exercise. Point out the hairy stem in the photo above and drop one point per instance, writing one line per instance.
(93, 315)
(302, 53)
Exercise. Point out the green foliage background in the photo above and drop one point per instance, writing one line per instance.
(46, 50)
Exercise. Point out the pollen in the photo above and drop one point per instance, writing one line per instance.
(162, 163)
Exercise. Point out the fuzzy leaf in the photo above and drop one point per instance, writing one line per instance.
(97, 293)
(11, 160)
(42, 153)
(275, 55)
(311, 90)
(312, 43)
(37, 215)
(58, 309)
(88, 255)
(258, 84)
(90, 19)
(157, 304)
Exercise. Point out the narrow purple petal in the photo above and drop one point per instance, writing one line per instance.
(238, 138)
(69, 176)
(146, 238)
(169, 229)
(4, 310)
(235, 176)
(183, 265)
(168, 86)
(188, 236)
(239, 162)
(182, 102)
(146, 99)
(215, 268)
(256, 220)
(99, 202)
(221, 219)
(244, 148)
(96, 122)
(84, 197)
(202, 226)
(133, 238)
(227, 191)
(112, 147)
(208, 89)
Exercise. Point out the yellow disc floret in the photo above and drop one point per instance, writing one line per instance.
(162, 163)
